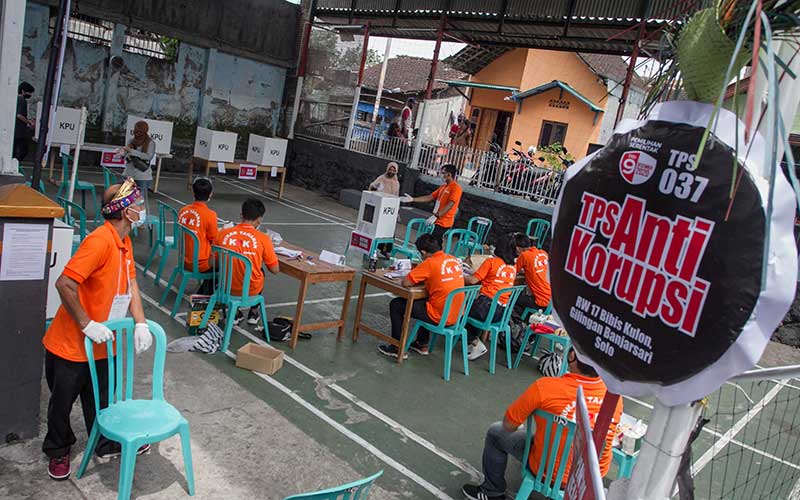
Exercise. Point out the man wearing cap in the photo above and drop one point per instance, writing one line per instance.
(98, 284)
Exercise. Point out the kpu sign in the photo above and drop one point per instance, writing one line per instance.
(160, 132)
(215, 146)
(66, 125)
(269, 151)
(658, 273)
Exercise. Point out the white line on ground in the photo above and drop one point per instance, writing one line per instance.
(755, 450)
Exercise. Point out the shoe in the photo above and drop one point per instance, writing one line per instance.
(238, 318)
(476, 350)
(390, 351)
(116, 450)
(253, 317)
(419, 348)
(59, 468)
(473, 492)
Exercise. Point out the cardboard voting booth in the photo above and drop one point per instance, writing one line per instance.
(66, 126)
(215, 146)
(268, 151)
(377, 215)
(160, 132)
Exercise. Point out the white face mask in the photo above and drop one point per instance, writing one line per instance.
(140, 220)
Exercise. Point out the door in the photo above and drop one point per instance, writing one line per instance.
(485, 129)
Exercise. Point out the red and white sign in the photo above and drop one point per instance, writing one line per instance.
(360, 242)
(585, 481)
(637, 167)
(110, 158)
(248, 172)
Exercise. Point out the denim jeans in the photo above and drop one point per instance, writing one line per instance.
(498, 446)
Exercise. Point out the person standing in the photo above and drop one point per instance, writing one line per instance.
(246, 239)
(22, 124)
(407, 118)
(202, 221)
(138, 155)
(387, 182)
(98, 284)
(533, 263)
(447, 198)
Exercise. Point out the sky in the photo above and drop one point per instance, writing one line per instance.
(417, 48)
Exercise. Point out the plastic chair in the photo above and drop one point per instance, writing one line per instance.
(532, 310)
(564, 342)
(547, 480)
(70, 220)
(538, 229)
(466, 245)
(480, 226)
(181, 233)
(80, 186)
(223, 278)
(28, 183)
(164, 243)
(414, 229)
(357, 490)
(624, 462)
(452, 332)
(494, 328)
(134, 422)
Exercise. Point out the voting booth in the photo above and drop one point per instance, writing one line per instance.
(66, 125)
(213, 145)
(268, 151)
(160, 133)
(377, 218)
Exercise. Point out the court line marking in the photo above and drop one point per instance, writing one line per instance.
(755, 450)
(330, 421)
(390, 422)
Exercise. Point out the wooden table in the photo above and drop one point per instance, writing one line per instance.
(395, 287)
(235, 165)
(315, 271)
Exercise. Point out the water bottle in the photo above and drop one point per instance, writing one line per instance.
(373, 261)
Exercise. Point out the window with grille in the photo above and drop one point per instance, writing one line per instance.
(552, 132)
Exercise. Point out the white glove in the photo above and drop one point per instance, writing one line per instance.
(98, 332)
(406, 198)
(430, 220)
(142, 339)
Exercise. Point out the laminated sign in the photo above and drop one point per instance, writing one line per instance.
(658, 273)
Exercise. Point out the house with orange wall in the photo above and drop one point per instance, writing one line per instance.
(539, 97)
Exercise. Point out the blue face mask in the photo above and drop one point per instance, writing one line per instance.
(140, 220)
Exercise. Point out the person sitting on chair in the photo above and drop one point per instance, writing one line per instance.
(246, 239)
(447, 197)
(441, 274)
(555, 395)
(202, 221)
(533, 263)
(494, 274)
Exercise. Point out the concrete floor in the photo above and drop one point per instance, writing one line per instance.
(336, 411)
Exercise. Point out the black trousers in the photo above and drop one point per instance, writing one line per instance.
(67, 380)
(397, 308)
(438, 233)
(523, 302)
(480, 311)
(20, 149)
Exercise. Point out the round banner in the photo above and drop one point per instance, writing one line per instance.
(657, 262)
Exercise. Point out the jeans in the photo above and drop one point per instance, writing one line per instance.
(397, 308)
(480, 310)
(20, 148)
(498, 446)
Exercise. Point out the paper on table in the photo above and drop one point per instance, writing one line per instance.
(153, 161)
(332, 258)
(24, 252)
(221, 167)
(63, 149)
(400, 273)
(287, 252)
(273, 172)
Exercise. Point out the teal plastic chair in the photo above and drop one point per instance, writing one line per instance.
(357, 490)
(450, 333)
(564, 342)
(624, 463)
(80, 187)
(532, 310)
(70, 209)
(480, 226)
(28, 183)
(164, 242)
(181, 233)
(111, 177)
(223, 280)
(466, 244)
(133, 422)
(538, 229)
(503, 325)
(414, 229)
(547, 481)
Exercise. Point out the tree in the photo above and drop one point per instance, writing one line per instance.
(351, 58)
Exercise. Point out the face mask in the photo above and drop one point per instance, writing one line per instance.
(26, 96)
(140, 220)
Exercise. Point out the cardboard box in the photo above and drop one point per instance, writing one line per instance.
(65, 126)
(160, 132)
(259, 358)
(215, 146)
(267, 151)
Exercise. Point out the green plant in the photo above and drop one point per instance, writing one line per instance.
(169, 46)
(555, 156)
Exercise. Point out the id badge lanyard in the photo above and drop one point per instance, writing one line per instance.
(121, 303)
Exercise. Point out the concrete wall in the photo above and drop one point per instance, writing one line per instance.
(632, 108)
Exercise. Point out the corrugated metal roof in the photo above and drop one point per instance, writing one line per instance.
(476, 85)
(556, 84)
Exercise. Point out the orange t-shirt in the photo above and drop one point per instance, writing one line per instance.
(99, 267)
(202, 221)
(254, 245)
(444, 194)
(494, 275)
(533, 262)
(556, 395)
(442, 274)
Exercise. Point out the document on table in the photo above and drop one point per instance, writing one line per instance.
(400, 273)
(287, 252)
(24, 252)
(221, 167)
(273, 172)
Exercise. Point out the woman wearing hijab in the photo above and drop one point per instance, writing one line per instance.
(387, 183)
(138, 155)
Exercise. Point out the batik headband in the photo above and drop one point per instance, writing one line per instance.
(127, 194)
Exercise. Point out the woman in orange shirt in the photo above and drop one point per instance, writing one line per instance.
(494, 274)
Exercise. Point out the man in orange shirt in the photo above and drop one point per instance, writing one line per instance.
(554, 395)
(246, 239)
(494, 274)
(447, 197)
(98, 284)
(533, 263)
(202, 221)
(441, 274)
